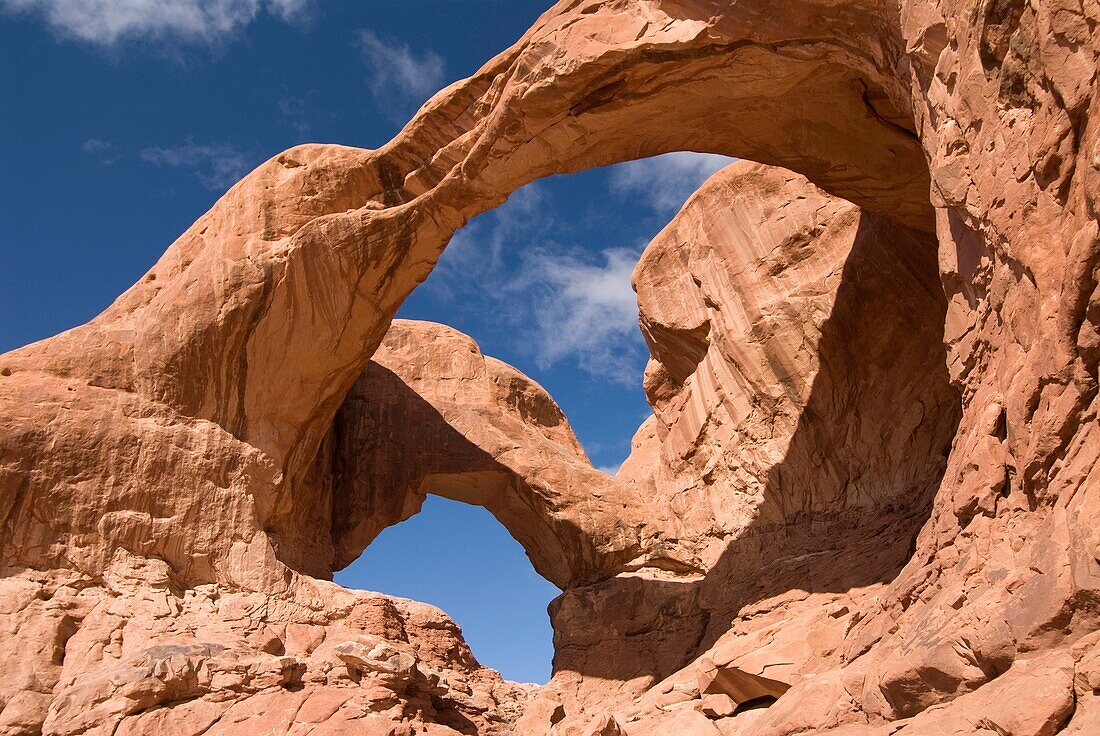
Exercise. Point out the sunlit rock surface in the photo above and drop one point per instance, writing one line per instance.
(867, 501)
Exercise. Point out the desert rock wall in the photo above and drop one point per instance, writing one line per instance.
(798, 366)
(803, 419)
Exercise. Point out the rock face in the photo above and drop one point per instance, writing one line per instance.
(798, 372)
(803, 417)
(866, 503)
(131, 653)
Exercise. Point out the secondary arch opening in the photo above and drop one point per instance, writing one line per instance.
(459, 558)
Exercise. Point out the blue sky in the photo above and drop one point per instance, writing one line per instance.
(124, 120)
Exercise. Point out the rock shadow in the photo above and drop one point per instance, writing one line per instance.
(390, 447)
(841, 510)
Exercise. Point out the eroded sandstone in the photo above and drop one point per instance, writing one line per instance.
(168, 471)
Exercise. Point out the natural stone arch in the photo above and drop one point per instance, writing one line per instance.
(312, 253)
(432, 415)
(171, 441)
(734, 295)
(803, 418)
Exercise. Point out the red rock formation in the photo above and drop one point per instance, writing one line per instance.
(130, 652)
(167, 487)
(431, 414)
(311, 254)
(803, 416)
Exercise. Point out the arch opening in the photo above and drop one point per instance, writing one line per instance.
(457, 557)
(543, 282)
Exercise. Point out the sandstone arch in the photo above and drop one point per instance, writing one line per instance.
(431, 414)
(170, 443)
(314, 251)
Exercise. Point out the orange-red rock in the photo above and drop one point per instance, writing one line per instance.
(901, 529)
(468, 427)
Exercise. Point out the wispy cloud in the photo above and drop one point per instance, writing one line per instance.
(481, 245)
(291, 11)
(555, 302)
(295, 113)
(104, 151)
(110, 22)
(397, 75)
(663, 183)
(583, 310)
(218, 166)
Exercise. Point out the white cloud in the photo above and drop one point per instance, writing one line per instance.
(295, 113)
(105, 151)
(290, 10)
(558, 302)
(665, 182)
(109, 22)
(398, 75)
(583, 309)
(217, 166)
(555, 303)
